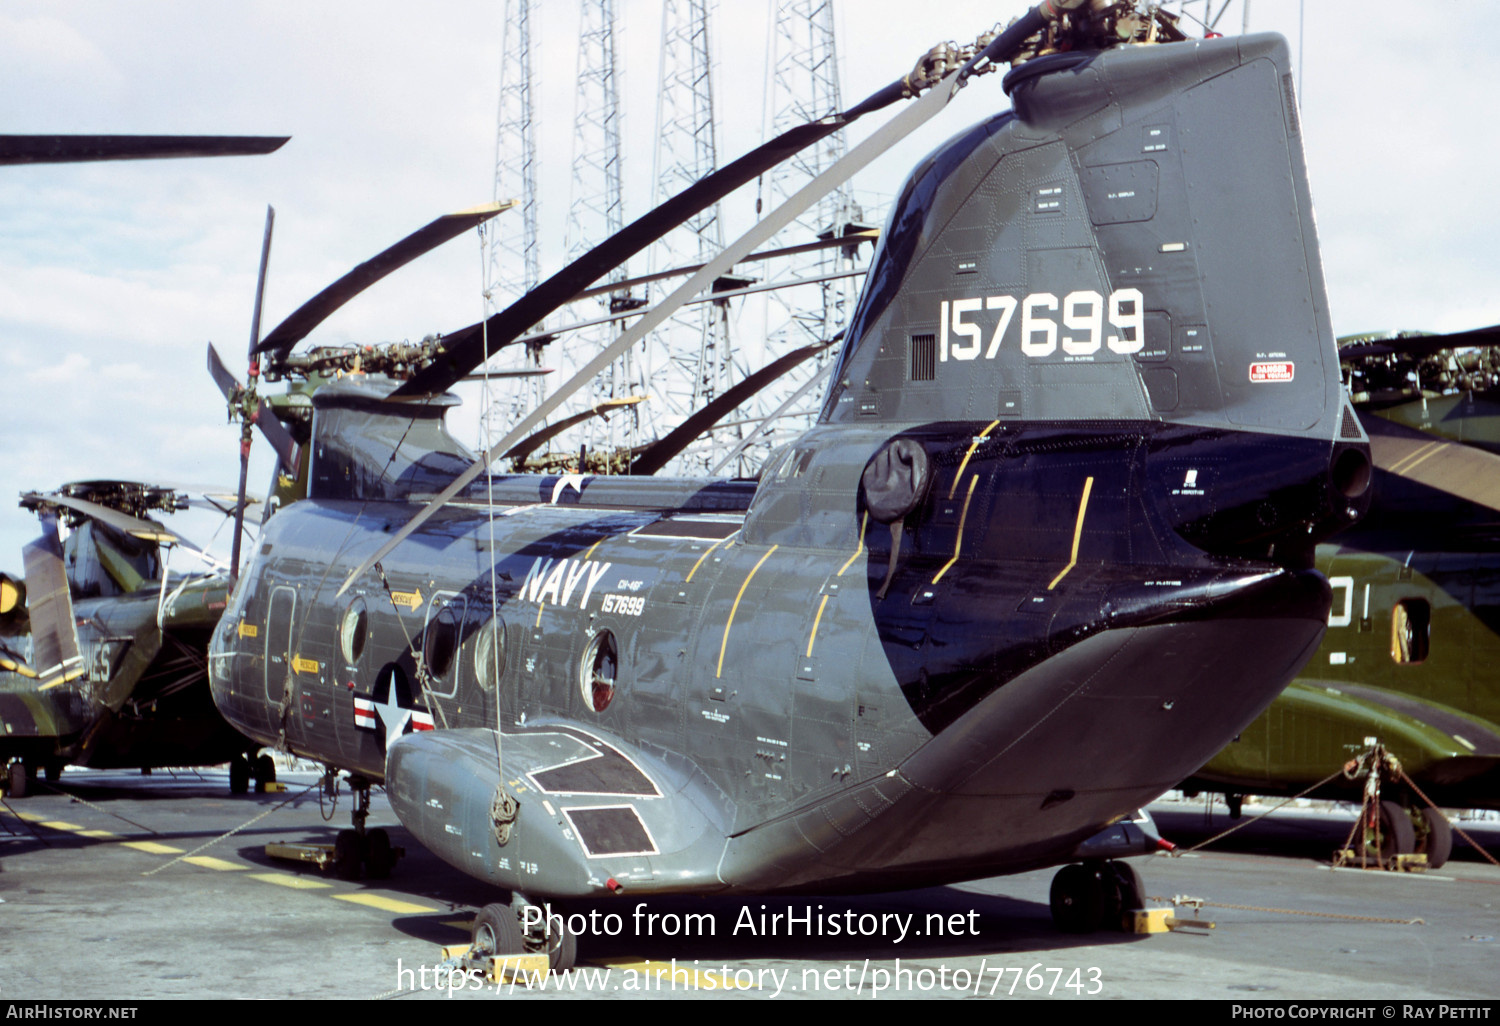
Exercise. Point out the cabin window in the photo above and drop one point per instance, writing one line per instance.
(489, 655)
(440, 641)
(353, 629)
(1411, 624)
(601, 660)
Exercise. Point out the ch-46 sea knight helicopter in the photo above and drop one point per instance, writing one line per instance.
(1414, 633)
(103, 648)
(1048, 546)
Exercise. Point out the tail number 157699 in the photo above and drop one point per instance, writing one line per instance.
(1079, 324)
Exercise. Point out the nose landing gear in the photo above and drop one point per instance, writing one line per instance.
(1088, 896)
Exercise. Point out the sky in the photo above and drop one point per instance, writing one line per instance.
(114, 277)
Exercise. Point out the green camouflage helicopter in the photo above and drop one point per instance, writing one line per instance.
(102, 645)
(1411, 654)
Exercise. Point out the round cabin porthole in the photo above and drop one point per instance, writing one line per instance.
(440, 642)
(489, 655)
(352, 631)
(601, 661)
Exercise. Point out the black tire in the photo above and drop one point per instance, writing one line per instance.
(560, 943)
(52, 769)
(1077, 899)
(1125, 891)
(380, 859)
(264, 769)
(239, 775)
(497, 931)
(348, 853)
(1397, 835)
(1438, 844)
(16, 781)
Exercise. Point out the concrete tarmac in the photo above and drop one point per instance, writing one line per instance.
(119, 886)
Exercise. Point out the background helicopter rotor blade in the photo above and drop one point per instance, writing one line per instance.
(1355, 346)
(54, 635)
(317, 309)
(662, 451)
(68, 149)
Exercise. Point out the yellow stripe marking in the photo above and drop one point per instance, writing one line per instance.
(96, 833)
(384, 904)
(958, 543)
(734, 608)
(1418, 456)
(964, 465)
(701, 559)
(30, 817)
(152, 847)
(296, 883)
(682, 974)
(816, 620)
(859, 546)
(540, 606)
(209, 862)
(57, 824)
(591, 549)
(1083, 507)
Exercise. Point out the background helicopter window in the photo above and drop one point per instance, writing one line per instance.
(601, 662)
(1411, 622)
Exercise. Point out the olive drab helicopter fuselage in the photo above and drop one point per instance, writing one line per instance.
(1047, 547)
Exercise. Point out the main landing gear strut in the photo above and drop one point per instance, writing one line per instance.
(1087, 896)
(244, 768)
(357, 848)
(519, 927)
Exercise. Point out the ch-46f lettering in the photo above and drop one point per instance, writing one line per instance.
(1075, 324)
(556, 582)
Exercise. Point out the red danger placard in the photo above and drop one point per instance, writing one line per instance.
(1281, 371)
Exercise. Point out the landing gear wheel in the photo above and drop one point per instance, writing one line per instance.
(1123, 891)
(497, 931)
(16, 780)
(1077, 899)
(379, 858)
(265, 773)
(239, 775)
(1437, 844)
(1236, 803)
(1397, 835)
(559, 942)
(52, 769)
(347, 855)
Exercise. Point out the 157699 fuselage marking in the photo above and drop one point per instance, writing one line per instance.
(1076, 324)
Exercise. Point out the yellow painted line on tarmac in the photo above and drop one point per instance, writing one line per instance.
(97, 834)
(296, 883)
(460, 924)
(57, 824)
(385, 904)
(30, 817)
(209, 862)
(677, 973)
(152, 847)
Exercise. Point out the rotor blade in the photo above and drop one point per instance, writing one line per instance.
(317, 309)
(524, 372)
(1461, 470)
(146, 530)
(894, 130)
(54, 636)
(68, 149)
(222, 375)
(661, 452)
(249, 397)
(461, 356)
(775, 415)
(852, 239)
(524, 447)
(287, 449)
(1416, 344)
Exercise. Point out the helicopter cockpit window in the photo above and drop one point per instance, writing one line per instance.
(1411, 627)
(601, 661)
(353, 629)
